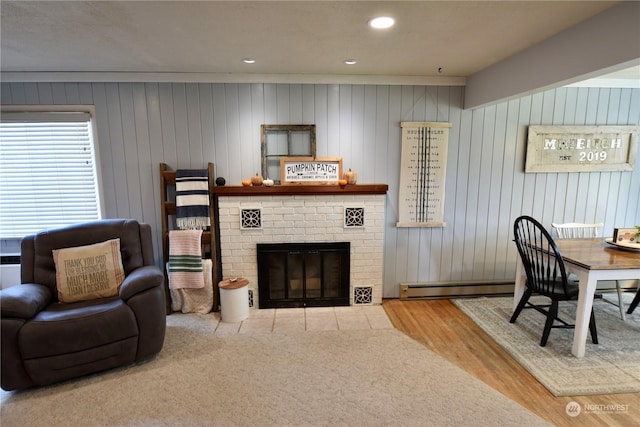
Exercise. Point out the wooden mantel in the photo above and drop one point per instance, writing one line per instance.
(298, 190)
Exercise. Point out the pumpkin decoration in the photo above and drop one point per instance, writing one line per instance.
(256, 180)
(267, 182)
(246, 183)
(351, 177)
(342, 182)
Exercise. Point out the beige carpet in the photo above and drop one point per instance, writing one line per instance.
(612, 366)
(346, 377)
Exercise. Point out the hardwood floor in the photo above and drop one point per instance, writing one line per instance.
(443, 328)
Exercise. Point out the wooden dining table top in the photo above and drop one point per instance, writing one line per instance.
(596, 254)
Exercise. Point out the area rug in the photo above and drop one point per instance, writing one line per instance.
(612, 366)
(338, 378)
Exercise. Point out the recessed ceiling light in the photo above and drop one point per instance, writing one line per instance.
(350, 61)
(382, 22)
(248, 60)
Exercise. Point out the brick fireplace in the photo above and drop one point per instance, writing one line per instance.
(249, 216)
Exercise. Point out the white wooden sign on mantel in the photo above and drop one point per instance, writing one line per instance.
(310, 170)
(422, 174)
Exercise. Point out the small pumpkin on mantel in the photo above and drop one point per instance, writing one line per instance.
(267, 182)
(351, 177)
(256, 180)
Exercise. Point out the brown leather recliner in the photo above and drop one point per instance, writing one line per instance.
(44, 341)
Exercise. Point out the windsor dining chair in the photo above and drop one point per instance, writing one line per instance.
(546, 275)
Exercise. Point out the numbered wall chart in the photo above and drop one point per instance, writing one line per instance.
(422, 172)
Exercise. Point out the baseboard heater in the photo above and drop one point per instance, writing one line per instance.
(435, 290)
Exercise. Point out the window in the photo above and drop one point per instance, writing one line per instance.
(48, 171)
(285, 141)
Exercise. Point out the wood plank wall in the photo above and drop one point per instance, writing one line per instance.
(188, 125)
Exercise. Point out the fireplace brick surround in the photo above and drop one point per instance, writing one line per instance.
(305, 214)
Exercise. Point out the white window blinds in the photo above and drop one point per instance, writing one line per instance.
(48, 174)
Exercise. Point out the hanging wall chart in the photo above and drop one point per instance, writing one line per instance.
(422, 173)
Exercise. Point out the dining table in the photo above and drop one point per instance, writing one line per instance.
(592, 260)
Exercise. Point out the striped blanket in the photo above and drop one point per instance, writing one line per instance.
(192, 199)
(185, 259)
(195, 300)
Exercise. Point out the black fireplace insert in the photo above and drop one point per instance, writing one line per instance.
(303, 274)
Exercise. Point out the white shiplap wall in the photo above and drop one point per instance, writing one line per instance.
(188, 125)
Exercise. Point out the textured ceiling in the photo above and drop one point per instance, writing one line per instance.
(307, 37)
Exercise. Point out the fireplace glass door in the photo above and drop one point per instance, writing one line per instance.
(303, 274)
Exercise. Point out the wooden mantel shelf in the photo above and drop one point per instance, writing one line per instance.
(298, 190)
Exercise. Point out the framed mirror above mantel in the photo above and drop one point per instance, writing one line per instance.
(277, 141)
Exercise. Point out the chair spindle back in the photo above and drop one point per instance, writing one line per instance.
(540, 256)
(576, 230)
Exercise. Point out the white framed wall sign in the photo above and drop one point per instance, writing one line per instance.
(422, 174)
(581, 148)
(310, 170)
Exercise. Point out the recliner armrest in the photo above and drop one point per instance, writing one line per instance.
(140, 280)
(24, 301)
